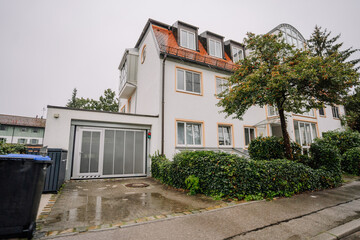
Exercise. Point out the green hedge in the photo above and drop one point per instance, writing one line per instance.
(268, 148)
(351, 161)
(325, 155)
(6, 148)
(229, 176)
(343, 140)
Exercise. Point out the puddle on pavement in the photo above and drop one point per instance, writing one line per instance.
(98, 210)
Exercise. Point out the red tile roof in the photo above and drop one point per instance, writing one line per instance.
(168, 44)
(21, 121)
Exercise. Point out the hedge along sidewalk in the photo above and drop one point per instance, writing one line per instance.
(229, 176)
(139, 221)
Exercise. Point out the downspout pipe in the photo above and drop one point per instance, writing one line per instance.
(163, 106)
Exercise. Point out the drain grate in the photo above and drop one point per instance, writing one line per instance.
(137, 185)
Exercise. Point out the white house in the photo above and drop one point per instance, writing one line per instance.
(168, 87)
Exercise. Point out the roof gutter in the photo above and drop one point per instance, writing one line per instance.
(163, 106)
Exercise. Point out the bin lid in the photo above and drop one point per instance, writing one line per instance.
(26, 156)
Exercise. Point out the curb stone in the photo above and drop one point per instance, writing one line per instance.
(340, 231)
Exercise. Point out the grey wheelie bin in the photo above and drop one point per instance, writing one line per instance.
(21, 183)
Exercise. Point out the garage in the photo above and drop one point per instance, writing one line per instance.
(101, 152)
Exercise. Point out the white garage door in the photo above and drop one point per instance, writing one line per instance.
(108, 152)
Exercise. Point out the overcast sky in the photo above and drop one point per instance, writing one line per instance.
(49, 47)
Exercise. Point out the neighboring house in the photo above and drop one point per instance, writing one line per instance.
(23, 130)
(168, 88)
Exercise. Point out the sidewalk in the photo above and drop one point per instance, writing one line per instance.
(301, 217)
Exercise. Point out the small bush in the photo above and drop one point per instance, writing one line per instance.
(230, 176)
(192, 183)
(344, 140)
(268, 148)
(6, 148)
(351, 161)
(325, 156)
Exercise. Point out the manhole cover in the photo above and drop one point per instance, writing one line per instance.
(137, 185)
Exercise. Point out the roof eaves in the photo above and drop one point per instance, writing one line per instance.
(214, 34)
(150, 21)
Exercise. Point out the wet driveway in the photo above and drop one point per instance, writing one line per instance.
(98, 202)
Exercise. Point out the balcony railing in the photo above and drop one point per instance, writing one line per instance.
(197, 57)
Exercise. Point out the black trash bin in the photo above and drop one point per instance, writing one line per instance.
(21, 184)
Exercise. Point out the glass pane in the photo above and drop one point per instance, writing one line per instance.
(191, 40)
(180, 133)
(297, 133)
(180, 79)
(321, 112)
(196, 82)
(212, 47)
(218, 49)
(303, 136)
(189, 82)
(197, 134)
(241, 55)
(247, 140)
(221, 136)
(108, 161)
(224, 85)
(189, 134)
(139, 152)
(227, 135)
(218, 86)
(95, 152)
(308, 134)
(129, 152)
(252, 133)
(314, 132)
(183, 39)
(85, 152)
(119, 152)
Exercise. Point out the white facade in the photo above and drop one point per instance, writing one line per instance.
(191, 119)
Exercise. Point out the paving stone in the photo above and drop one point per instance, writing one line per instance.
(118, 224)
(69, 230)
(93, 228)
(160, 216)
(52, 233)
(196, 211)
(150, 218)
(105, 226)
(130, 222)
(187, 213)
(141, 220)
(81, 229)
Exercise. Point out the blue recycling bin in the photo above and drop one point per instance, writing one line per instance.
(21, 183)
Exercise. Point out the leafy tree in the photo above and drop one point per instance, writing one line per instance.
(292, 80)
(352, 107)
(107, 102)
(322, 45)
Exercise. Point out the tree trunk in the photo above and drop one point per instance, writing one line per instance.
(288, 153)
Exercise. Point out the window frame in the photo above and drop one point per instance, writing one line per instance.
(229, 125)
(324, 109)
(202, 133)
(233, 51)
(31, 141)
(3, 127)
(337, 112)
(255, 136)
(304, 114)
(268, 111)
(188, 33)
(25, 140)
(305, 147)
(222, 87)
(220, 48)
(184, 84)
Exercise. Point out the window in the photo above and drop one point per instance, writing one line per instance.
(305, 133)
(189, 134)
(35, 130)
(188, 81)
(24, 129)
(237, 54)
(250, 135)
(187, 39)
(309, 113)
(215, 48)
(272, 111)
(224, 133)
(2, 140)
(322, 112)
(34, 141)
(143, 54)
(22, 141)
(221, 85)
(335, 112)
(2, 128)
(123, 73)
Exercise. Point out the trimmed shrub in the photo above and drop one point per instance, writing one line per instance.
(222, 175)
(325, 156)
(344, 140)
(6, 148)
(351, 161)
(268, 148)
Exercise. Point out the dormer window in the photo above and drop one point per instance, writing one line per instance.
(215, 48)
(237, 54)
(187, 39)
